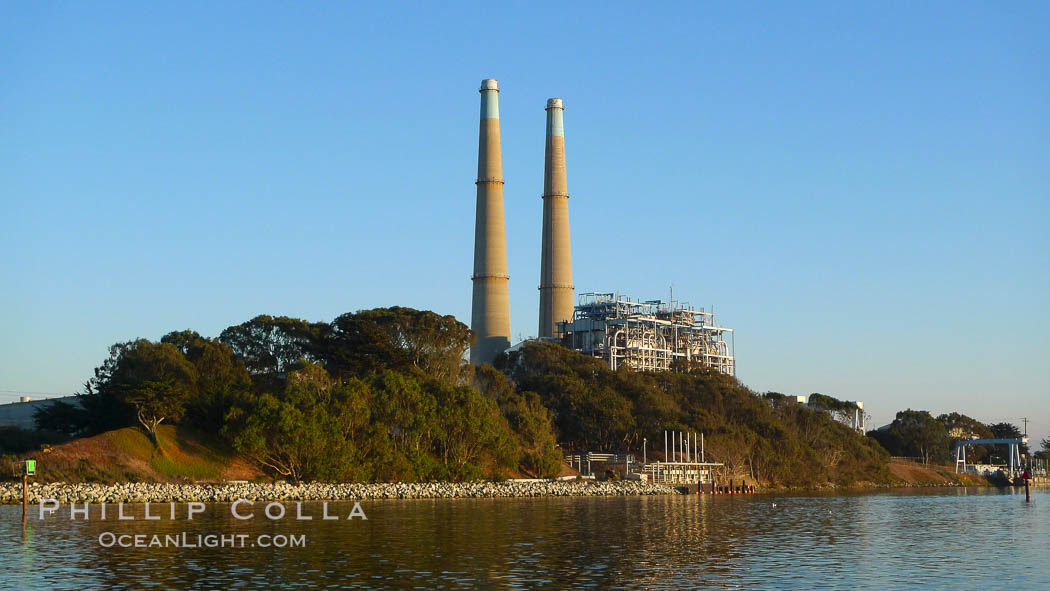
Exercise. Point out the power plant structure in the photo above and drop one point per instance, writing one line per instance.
(650, 335)
(490, 306)
(556, 263)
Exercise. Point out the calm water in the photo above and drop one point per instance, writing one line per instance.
(956, 539)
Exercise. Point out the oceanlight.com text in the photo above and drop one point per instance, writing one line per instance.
(193, 540)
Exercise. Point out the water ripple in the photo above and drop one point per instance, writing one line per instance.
(957, 539)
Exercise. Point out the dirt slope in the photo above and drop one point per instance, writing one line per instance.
(127, 455)
(933, 475)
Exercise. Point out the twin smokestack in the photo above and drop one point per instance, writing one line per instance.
(490, 310)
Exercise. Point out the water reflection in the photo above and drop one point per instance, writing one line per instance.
(952, 539)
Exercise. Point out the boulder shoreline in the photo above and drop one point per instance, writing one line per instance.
(141, 492)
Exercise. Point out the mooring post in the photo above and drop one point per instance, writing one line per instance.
(25, 495)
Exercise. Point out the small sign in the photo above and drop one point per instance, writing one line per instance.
(30, 467)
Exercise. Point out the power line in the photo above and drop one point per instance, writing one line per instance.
(32, 392)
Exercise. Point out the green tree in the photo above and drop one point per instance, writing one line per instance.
(844, 411)
(406, 409)
(581, 392)
(61, 417)
(532, 424)
(294, 434)
(1044, 452)
(271, 347)
(769, 438)
(470, 429)
(493, 383)
(531, 421)
(1006, 431)
(959, 426)
(222, 379)
(399, 339)
(154, 378)
(915, 433)
(97, 408)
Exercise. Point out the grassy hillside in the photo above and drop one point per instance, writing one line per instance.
(127, 455)
(916, 474)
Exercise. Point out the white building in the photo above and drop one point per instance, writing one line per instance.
(649, 335)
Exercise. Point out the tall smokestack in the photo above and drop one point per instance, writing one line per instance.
(490, 311)
(556, 266)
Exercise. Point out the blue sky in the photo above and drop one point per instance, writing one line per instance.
(859, 190)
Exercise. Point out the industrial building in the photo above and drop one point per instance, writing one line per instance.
(649, 335)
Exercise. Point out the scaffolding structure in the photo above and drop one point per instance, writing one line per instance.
(699, 473)
(648, 335)
(605, 460)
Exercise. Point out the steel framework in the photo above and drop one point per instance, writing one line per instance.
(1012, 444)
(648, 335)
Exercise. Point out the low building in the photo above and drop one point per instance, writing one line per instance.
(20, 414)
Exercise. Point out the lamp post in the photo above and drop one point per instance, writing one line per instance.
(644, 441)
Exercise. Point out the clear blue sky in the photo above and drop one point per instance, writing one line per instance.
(860, 190)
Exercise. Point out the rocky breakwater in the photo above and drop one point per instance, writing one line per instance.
(11, 493)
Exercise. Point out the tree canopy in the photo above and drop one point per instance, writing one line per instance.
(915, 433)
(380, 394)
(1044, 451)
(772, 439)
(386, 394)
(960, 426)
(999, 453)
(155, 379)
